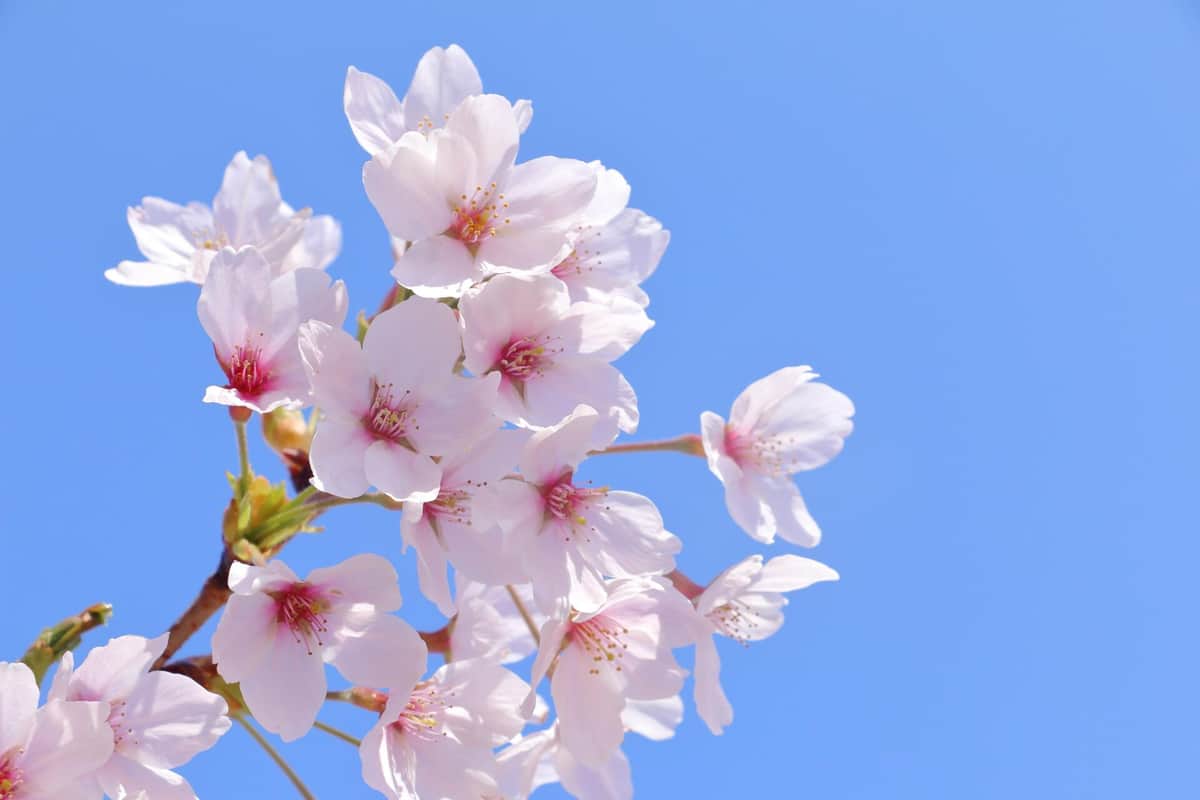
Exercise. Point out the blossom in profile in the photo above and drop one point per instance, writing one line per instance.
(467, 208)
(744, 603)
(180, 242)
(253, 318)
(278, 632)
(781, 424)
(450, 530)
(551, 354)
(52, 752)
(443, 79)
(604, 659)
(571, 536)
(391, 407)
(158, 720)
(435, 738)
(613, 248)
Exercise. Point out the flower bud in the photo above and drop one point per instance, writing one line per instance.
(286, 429)
(66, 635)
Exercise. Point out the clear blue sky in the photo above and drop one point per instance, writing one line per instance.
(978, 219)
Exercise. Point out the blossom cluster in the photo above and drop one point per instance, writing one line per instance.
(469, 404)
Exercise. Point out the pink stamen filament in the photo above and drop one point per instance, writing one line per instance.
(247, 372)
(303, 608)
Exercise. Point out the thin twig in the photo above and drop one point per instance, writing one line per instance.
(689, 444)
(276, 757)
(335, 732)
(524, 612)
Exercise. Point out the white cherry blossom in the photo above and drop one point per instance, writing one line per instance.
(448, 528)
(781, 424)
(436, 740)
(253, 318)
(467, 209)
(48, 753)
(392, 405)
(569, 536)
(613, 248)
(278, 632)
(180, 242)
(551, 354)
(158, 720)
(488, 624)
(745, 603)
(443, 79)
(604, 659)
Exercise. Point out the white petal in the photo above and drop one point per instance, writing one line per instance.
(523, 249)
(111, 672)
(402, 183)
(244, 636)
(606, 331)
(375, 115)
(807, 427)
(390, 350)
(18, 704)
(402, 474)
(442, 80)
(612, 780)
(546, 191)
(166, 232)
(338, 457)
(126, 778)
(788, 511)
(557, 450)
(589, 708)
(288, 689)
(146, 273)
(711, 703)
(336, 369)
(364, 578)
(437, 267)
(68, 741)
(378, 650)
(504, 309)
(764, 393)
(487, 123)
(320, 245)
(788, 573)
(171, 719)
(654, 719)
(551, 395)
(247, 208)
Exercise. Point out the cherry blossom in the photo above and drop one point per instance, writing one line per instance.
(48, 753)
(436, 740)
(551, 354)
(443, 79)
(570, 536)
(617, 653)
(448, 530)
(157, 720)
(180, 242)
(613, 248)
(467, 209)
(254, 320)
(488, 624)
(781, 424)
(745, 603)
(278, 632)
(539, 758)
(389, 407)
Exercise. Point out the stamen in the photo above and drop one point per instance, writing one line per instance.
(11, 778)
(525, 358)
(736, 620)
(765, 454)
(246, 371)
(422, 716)
(303, 607)
(603, 640)
(389, 418)
(477, 215)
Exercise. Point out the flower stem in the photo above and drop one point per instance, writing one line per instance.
(337, 733)
(243, 453)
(689, 444)
(524, 612)
(276, 757)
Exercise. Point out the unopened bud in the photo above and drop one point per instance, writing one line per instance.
(286, 429)
(66, 635)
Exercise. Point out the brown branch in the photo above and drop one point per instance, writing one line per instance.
(213, 595)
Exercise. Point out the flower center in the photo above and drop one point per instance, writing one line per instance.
(569, 267)
(476, 215)
(735, 620)
(209, 239)
(389, 417)
(116, 721)
(523, 359)
(765, 454)
(422, 714)
(11, 778)
(603, 640)
(451, 505)
(246, 370)
(566, 501)
(303, 608)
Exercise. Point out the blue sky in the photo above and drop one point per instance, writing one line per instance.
(977, 219)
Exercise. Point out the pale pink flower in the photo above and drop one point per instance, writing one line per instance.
(48, 753)
(468, 211)
(488, 624)
(539, 758)
(449, 529)
(180, 242)
(253, 318)
(745, 603)
(781, 424)
(604, 659)
(551, 354)
(443, 79)
(158, 720)
(390, 407)
(436, 740)
(613, 248)
(570, 536)
(278, 632)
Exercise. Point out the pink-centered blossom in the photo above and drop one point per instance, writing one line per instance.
(436, 738)
(253, 318)
(551, 354)
(744, 603)
(180, 242)
(450, 530)
(467, 208)
(613, 248)
(443, 79)
(604, 659)
(392, 406)
(48, 753)
(278, 632)
(157, 720)
(781, 424)
(569, 534)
